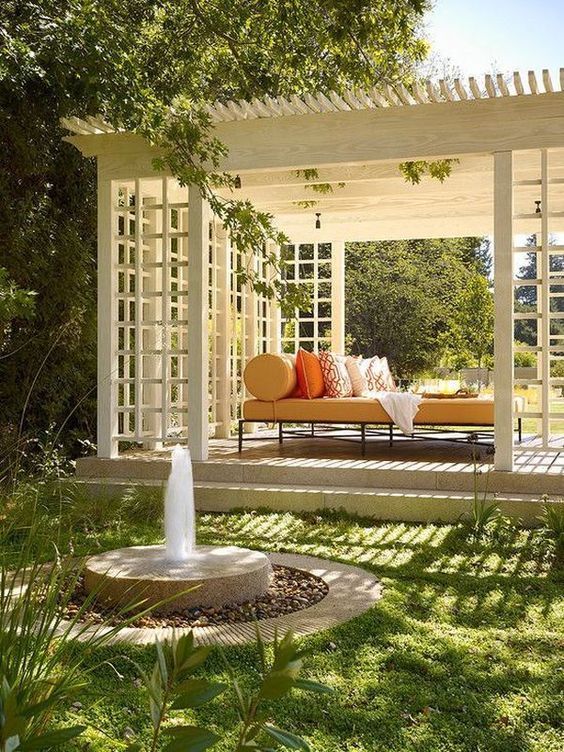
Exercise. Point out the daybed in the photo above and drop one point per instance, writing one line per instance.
(271, 379)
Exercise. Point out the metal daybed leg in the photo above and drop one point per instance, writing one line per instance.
(313, 429)
(240, 435)
(280, 433)
(520, 429)
(363, 438)
(391, 442)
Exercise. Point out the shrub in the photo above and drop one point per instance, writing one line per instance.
(552, 521)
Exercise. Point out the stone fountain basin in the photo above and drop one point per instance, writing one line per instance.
(141, 576)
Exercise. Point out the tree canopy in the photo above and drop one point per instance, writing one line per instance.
(147, 66)
(403, 298)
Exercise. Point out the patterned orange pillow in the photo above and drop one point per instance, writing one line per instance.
(310, 378)
(365, 375)
(375, 377)
(389, 383)
(335, 375)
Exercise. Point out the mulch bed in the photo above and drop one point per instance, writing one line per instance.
(290, 590)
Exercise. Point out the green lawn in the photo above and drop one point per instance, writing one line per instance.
(463, 653)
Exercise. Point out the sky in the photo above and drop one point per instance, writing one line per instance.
(506, 35)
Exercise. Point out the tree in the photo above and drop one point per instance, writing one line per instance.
(147, 66)
(400, 298)
(15, 303)
(469, 337)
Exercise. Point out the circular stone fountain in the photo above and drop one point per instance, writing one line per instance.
(179, 573)
(214, 576)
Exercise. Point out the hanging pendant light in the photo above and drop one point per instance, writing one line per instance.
(237, 181)
(318, 221)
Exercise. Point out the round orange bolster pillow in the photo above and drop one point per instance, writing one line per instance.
(270, 377)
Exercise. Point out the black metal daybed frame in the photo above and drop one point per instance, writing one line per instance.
(475, 437)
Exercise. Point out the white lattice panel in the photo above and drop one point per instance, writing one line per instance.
(150, 252)
(310, 265)
(538, 185)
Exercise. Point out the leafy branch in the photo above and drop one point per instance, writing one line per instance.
(171, 687)
(439, 169)
(193, 154)
(310, 174)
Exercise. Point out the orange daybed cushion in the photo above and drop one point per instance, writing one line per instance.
(270, 377)
(456, 412)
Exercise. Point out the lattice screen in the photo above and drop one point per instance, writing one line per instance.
(309, 264)
(538, 224)
(253, 327)
(150, 252)
(151, 365)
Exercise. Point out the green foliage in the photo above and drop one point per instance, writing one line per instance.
(524, 359)
(310, 173)
(401, 297)
(15, 303)
(552, 521)
(557, 369)
(277, 680)
(469, 337)
(171, 686)
(39, 676)
(305, 204)
(440, 169)
(148, 67)
(485, 513)
(324, 188)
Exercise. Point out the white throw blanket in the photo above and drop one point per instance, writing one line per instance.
(402, 407)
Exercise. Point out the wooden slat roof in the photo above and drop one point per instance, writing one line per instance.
(487, 86)
(377, 97)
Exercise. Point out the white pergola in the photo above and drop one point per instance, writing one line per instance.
(175, 325)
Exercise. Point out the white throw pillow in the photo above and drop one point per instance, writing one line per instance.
(362, 373)
(390, 384)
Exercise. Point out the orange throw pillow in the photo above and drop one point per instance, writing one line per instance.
(310, 377)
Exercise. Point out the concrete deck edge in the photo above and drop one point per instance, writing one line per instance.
(406, 505)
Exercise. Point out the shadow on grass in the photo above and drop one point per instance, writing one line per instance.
(462, 654)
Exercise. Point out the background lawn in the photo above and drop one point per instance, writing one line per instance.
(464, 651)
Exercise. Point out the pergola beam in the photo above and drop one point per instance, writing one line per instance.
(363, 135)
(358, 136)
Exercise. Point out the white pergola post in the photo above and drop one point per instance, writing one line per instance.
(198, 356)
(543, 292)
(107, 426)
(338, 296)
(149, 392)
(503, 299)
(223, 314)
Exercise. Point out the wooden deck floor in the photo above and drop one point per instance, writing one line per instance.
(411, 481)
(403, 455)
(408, 464)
